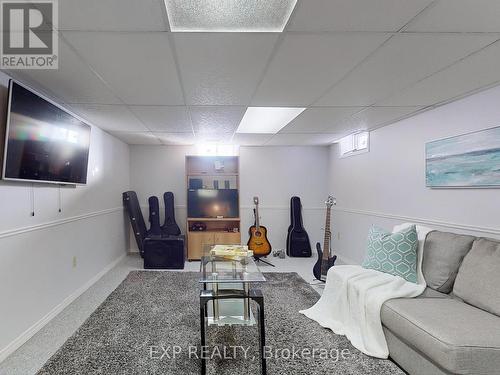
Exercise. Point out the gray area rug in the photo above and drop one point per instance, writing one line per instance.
(150, 325)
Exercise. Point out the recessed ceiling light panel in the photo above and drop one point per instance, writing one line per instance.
(229, 15)
(267, 120)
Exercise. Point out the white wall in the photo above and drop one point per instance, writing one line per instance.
(387, 185)
(155, 170)
(37, 276)
(273, 174)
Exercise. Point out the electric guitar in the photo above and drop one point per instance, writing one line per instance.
(325, 261)
(258, 241)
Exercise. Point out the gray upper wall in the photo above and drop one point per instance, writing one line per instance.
(273, 173)
(387, 185)
(48, 259)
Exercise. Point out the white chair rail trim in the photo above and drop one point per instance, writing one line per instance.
(49, 224)
(439, 223)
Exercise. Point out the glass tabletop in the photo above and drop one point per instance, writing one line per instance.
(236, 268)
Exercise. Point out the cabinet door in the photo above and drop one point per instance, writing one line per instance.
(227, 238)
(196, 240)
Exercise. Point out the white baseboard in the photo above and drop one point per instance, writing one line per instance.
(30, 332)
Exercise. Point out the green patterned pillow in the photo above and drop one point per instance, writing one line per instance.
(393, 253)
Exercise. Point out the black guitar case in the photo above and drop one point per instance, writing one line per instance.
(298, 239)
(169, 227)
(154, 217)
(134, 212)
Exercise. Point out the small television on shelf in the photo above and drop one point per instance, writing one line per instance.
(212, 203)
(43, 142)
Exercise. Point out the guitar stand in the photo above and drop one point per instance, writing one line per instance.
(259, 259)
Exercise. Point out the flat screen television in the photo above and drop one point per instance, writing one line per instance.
(43, 142)
(211, 203)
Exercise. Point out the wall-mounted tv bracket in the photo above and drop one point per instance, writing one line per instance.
(32, 199)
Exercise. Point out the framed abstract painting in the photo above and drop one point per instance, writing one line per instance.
(469, 160)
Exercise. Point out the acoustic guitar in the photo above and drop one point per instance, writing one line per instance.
(258, 241)
(325, 261)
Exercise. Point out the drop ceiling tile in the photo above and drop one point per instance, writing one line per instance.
(354, 15)
(72, 82)
(403, 60)
(213, 138)
(250, 139)
(373, 117)
(172, 119)
(472, 73)
(306, 65)
(112, 15)
(167, 138)
(320, 120)
(302, 139)
(137, 138)
(139, 67)
(222, 68)
(215, 121)
(109, 117)
(459, 16)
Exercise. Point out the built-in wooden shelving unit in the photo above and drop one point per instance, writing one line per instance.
(214, 173)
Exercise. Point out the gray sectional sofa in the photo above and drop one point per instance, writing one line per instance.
(454, 326)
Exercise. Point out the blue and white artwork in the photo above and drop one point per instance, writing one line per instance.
(470, 160)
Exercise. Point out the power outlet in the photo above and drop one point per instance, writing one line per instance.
(338, 236)
(74, 261)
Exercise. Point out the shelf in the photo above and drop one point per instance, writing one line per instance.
(213, 219)
(212, 231)
(211, 188)
(202, 165)
(211, 174)
(216, 232)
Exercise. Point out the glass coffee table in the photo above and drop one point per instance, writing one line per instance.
(226, 294)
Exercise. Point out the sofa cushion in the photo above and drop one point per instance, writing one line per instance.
(431, 293)
(478, 279)
(458, 337)
(410, 360)
(443, 254)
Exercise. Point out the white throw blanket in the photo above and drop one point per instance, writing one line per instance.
(353, 297)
